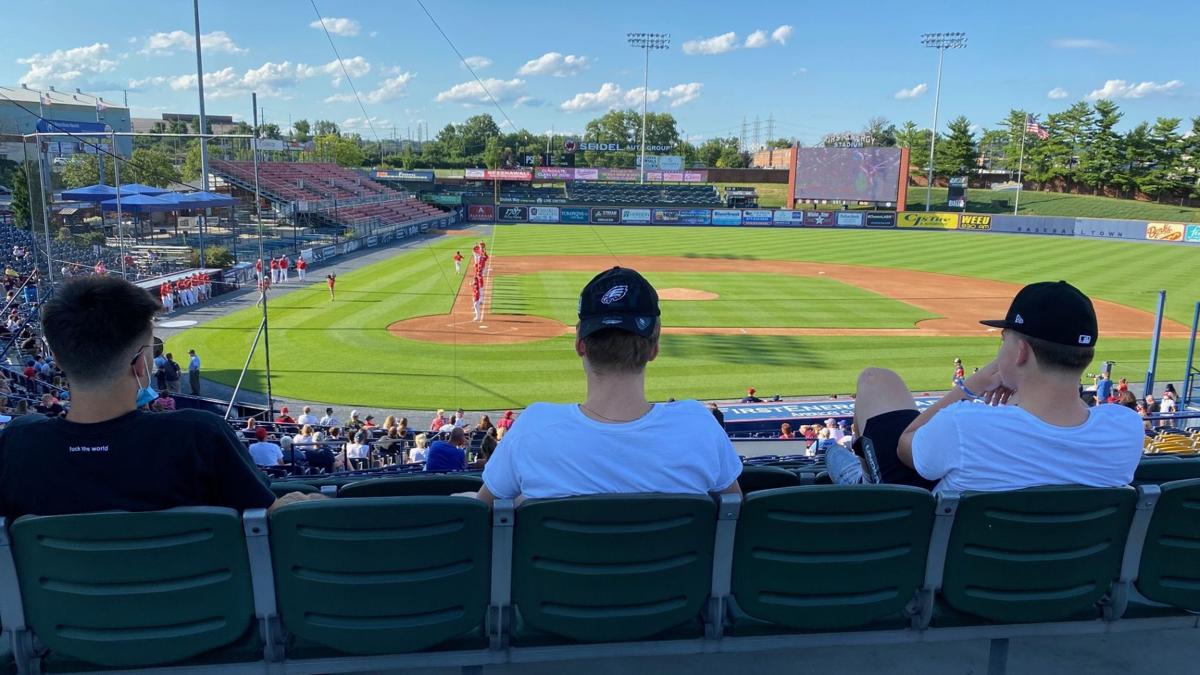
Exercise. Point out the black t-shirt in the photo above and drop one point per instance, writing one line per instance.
(172, 370)
(136, 462)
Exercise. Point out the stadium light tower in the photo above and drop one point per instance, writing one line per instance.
(940, 42)
(646, 42)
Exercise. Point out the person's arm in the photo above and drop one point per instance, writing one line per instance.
(985, 383)
(236, 481)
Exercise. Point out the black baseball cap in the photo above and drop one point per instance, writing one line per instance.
(618, 298)
(1054, 311)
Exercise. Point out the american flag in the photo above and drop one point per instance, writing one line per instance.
(1032, 127)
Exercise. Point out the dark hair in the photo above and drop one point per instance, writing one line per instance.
(612, 350)
(1062, 358)
(93, 324)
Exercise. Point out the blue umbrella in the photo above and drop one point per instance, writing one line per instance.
(91, 193)
(139, 189)
(138, 203)
(203, 200)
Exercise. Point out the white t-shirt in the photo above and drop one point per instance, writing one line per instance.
(556, 451)
(970, 446)
(1167, 405)
(330, 421)
(357, 450)
(417, 454)
(266, 454)
(308, 419)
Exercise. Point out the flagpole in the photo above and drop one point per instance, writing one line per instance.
(44, 179)
(1021, 165)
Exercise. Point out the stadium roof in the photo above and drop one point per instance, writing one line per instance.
(72, 98)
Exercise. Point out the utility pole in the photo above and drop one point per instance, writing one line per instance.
(940, 42)
(203, 125)
(743, 141)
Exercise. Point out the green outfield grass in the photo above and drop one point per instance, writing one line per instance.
(340, 352)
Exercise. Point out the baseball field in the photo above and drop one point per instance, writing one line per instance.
(793, 312)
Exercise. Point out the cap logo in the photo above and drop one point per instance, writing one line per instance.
(1018, 319)
(642, 323)
(611, 321)
(614, 294)
(1085, 339)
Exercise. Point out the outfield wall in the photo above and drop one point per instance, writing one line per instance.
(1092, 228)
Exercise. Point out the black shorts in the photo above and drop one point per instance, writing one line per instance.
(884, 431)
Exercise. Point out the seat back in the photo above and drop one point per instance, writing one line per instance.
(135, 589)
(431, 485)
(383, 575)
(830, 556)
(1170, 565)
(1041, 554)
(755, 478)
(283, 487)
(612, 567)
(1166, 468)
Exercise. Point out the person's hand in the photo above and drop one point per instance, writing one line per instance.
(295, 497)
(986, 384)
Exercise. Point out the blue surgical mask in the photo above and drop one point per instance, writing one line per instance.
(146, 395)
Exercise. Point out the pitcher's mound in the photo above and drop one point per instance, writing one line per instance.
(685, 294)
(499, 329)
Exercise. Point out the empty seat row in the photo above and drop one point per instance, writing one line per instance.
(390, 582)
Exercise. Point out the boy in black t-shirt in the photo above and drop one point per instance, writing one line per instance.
(106, 454)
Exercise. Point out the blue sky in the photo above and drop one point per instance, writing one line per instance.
(813, 67)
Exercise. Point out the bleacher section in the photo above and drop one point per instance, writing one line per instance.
(639, 194)
(298, 181)
(520, 194)
(384, 213)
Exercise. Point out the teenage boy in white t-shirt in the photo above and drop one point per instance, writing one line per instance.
(1019, 421)
(615, 441)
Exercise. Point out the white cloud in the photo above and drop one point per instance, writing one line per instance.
(1123, 89)
(472, 92)
(374, 33)
(610, 95)
(1057, 93)
(782, 34)
(756, 39)
(718, 44)
(913, 92)
(360, 124)
(64, 65)
(556, 64)
(356, 67)
(178, 40)
(528, 102)
(338, 26)
(1080, 43)
(272, 79)
(390, 88)
(478, 62)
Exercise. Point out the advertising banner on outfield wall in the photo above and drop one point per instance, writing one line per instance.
(880, 219)
(1165, 231)
(554, 173)
(513, 214)
(635, 216)
(587, 174)
(543, 214)
(849, 219)
(977, 223)
(1051, 225)
(328, 252)
(726, 217)
(682, 216)
(788, 218)
(818, 218)
(606, 216)
(409, 176)
(372, 242)
(497, 174)
(756, 217)
(481, 213)
(568, 214)
(350, 246)
(936, 221)
(624, 175)
(1192, 233)
(1096, 228)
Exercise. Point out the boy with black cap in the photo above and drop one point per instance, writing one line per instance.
(615, 441)
(974, 439)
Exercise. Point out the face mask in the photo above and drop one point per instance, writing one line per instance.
(146, 395)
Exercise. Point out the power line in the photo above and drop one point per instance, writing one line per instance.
(345, 72)
(468, 67)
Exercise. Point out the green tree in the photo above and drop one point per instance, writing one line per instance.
(214, 256)
(1138, 158)
(301, 131)
(26, 205)
(475, 132)
(492, 153)
(83, 169)
(991, 148)
(780, 143)
(917, 141)
(269, 130)
(1050, 159)
(1161, 177)
(150, 166)
(1100, 166)
(711, 151)
(344, 151)
(242, 128)
(879, 133)
(325, 128)
(7, 168)
(957, 154)
(192, 166)
(624, 127)
(1190, 152)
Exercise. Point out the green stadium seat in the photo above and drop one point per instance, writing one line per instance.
(755, 478)
(430, 485)
(829, 557)
(124, 590)
(1159, 470)
(283, 487)
(385, 575)
(1169, 572)
(612, 568)
(1036, 555)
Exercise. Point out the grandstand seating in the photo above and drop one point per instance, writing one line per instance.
(520, 194)
(385, 213)
(298, 181)
(393, 582)
(643, 194)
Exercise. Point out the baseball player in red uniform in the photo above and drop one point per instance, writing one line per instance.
(457, 262)
(330, 280)
(301, 267)
(475, 253)
(284, 264)
(477, 295)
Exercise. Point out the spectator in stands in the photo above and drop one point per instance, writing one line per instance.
(250, 429)
(306, 417)
(619, 441)
(785, 432)
(460, 419)
(390, 446)
(448, 455)
(194, 372)
(1152, 406)
(284, 417)
(1128, 400)
(1169, 390)
(506, 421)
(330, 420)
(50, 407)
(1104, 387)
(439, 420)
(485, 423)
(389, 422)
(287, 447)
(402, 429)
(750, 396)
(304, 436)
(1167, 405)
(420, 449)
(354, 424)
(1122, 385)
(369, 422)
(105, 454)
(808, 431)
(486, 448)
(319, 456)
(264, 452)
(172, 374)
(358, 451)
(972, 440)
(164, 402)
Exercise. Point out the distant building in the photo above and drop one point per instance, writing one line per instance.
(771, 158)
(20, 106)
(220, 124)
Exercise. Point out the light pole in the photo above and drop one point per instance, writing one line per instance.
(646, 42)
(940, 42)
(201, 130)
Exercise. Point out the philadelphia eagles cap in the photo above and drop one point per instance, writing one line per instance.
(1054, 311)
(618, 298)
